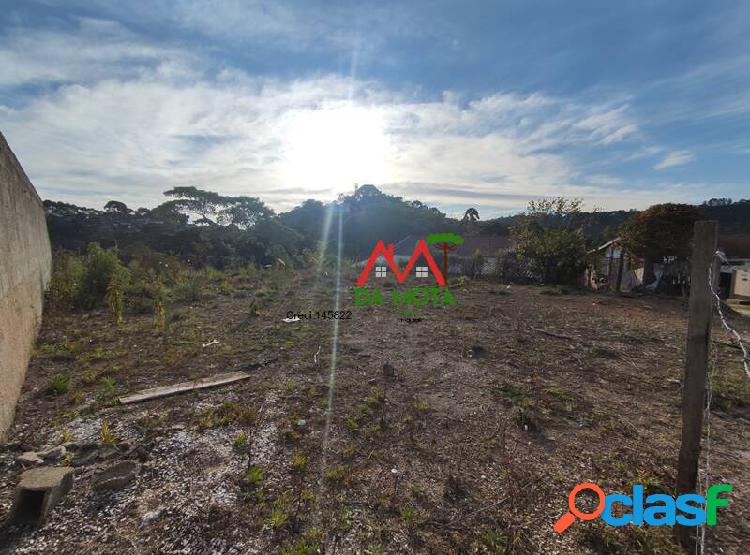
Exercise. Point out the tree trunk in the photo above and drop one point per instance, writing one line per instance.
(445, 262)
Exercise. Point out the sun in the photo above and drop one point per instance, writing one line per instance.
(333, 147)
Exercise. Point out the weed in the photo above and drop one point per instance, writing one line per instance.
(77, 396)
(90, 377)
(190, 290)
(108, 388)
(150, 423)
(240, 442)
(376, 396)
(106, 435)
(422, 406)
(277, 519)
(58, 384)
(254, 476)
(552, 290)
(308, 544)
(351, 423)
(410, 516)
(160, 315)
(496, 542)
(335, 474)
(299, 463)
(66, 436)
(227, 413)
(55, 352)
(67, 269)
(115, 296)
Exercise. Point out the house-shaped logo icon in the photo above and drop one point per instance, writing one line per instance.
(420, 249)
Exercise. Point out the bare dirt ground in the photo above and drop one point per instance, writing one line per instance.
(460, 433)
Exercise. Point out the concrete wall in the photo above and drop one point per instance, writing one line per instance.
(25, 269)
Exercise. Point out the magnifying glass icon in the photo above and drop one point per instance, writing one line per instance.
(569, 518)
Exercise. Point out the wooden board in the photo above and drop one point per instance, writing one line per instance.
(200, 383)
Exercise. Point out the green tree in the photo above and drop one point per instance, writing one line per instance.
(662, 230)
(205, 204)
(550, 238)
(100, 266)
(243, 212)
(445, 242)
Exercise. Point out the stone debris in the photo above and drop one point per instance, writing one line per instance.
(53, 453)
(86, 454)
(116, 476)
(39, 491)
(29, 458)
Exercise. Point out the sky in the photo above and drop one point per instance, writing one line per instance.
(483, 104)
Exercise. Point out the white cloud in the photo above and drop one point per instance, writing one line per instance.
(133, 119)
(97, 50)
(673, 159)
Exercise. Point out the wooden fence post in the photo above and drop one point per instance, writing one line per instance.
(705, 237)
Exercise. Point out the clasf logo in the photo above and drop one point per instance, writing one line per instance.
(657, 509)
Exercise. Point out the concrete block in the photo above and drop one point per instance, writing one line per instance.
(39, 491)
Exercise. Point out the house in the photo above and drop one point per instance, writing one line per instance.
(612, 267)
(734, 280)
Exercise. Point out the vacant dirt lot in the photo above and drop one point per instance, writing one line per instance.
(462, 432)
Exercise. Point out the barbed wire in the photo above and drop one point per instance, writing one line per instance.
(725, 322)
(705, 472)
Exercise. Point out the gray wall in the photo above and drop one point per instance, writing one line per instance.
(25, 268)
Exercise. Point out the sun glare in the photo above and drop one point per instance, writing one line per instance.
(334, 147)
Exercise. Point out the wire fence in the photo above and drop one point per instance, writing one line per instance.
(705, 472)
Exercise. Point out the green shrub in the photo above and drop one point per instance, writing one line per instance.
(58, 384)
(191, 289)
(552, 290)
(99, 267)
(67, 270)
(115, 296)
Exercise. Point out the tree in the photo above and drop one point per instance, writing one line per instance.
(662, 230)
(243, 212)
(471, 215)
(170, 212)
(117, 206)
(551, 239)
(205, 204)
(446, 242)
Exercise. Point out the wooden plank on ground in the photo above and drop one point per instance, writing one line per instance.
(200, 383)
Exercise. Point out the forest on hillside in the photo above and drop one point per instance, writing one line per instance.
(203, 228)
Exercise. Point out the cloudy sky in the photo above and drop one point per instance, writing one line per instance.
(484, 103)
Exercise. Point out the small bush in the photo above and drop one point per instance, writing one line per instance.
(552, 290)
(106, 435)
(190, 290)
(240, 442)
(59, 384)
(227, 413)
(99, 267)
(115, 296)
(67, 270)
(254, 476)
(299, 463)
(108, 388)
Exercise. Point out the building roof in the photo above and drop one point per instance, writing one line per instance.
(735, 245)
(487, 245)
